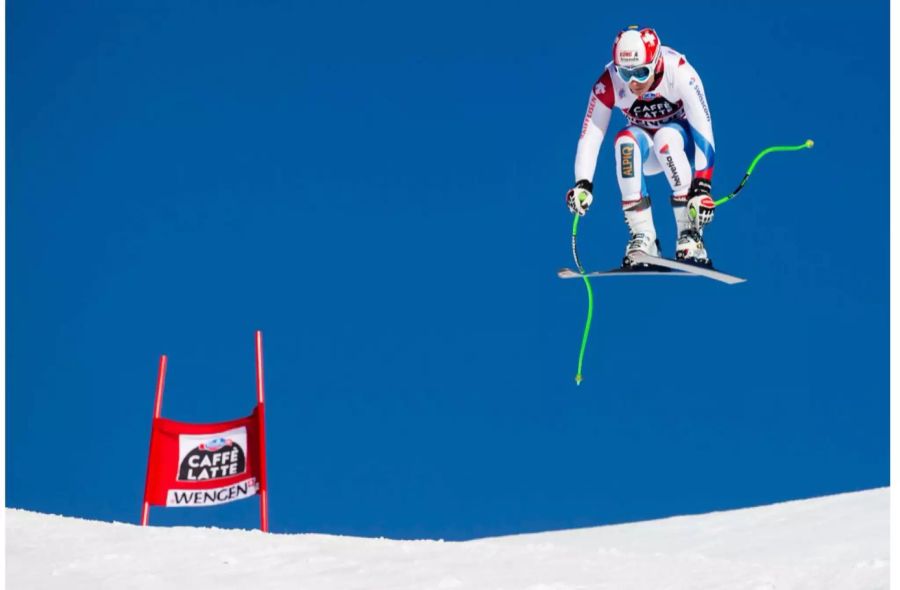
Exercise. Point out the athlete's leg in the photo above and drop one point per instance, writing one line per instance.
(633, 148)
(634, 160)
(672, 146)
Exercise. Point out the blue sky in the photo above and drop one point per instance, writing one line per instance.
(380, 190)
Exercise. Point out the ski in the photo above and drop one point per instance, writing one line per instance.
(568, 273)
(676, 265)
(657, 266)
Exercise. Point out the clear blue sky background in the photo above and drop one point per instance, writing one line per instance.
(379, 188)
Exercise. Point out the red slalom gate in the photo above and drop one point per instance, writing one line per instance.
(193, 465)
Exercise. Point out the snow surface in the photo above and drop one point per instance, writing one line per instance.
(839, 542)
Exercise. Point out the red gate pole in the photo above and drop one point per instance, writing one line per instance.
(157, 409)
(260, 400)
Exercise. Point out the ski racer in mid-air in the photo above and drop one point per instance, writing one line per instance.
(669, 129)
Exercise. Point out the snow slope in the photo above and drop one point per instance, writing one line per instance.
(838, 542)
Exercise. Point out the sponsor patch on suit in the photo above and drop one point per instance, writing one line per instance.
(626, 153)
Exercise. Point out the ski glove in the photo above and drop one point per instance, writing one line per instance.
(701, 207)
(579, 197)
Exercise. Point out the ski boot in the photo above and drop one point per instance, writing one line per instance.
(690, 249)
(640, 243)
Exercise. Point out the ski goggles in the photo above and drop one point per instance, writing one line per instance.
(639, 73)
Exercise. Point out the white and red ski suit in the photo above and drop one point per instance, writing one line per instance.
(669, 130)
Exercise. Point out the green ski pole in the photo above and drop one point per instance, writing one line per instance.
(590, 292)
(776, 148)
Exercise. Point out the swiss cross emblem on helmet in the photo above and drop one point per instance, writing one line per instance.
(649, 38)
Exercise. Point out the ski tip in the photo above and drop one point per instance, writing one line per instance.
(809, 143)
(568, 273)
(578, 379)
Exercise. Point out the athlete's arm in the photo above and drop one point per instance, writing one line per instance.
(593, 129)
(696, 110)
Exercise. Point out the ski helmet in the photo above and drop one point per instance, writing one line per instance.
(635, 47)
